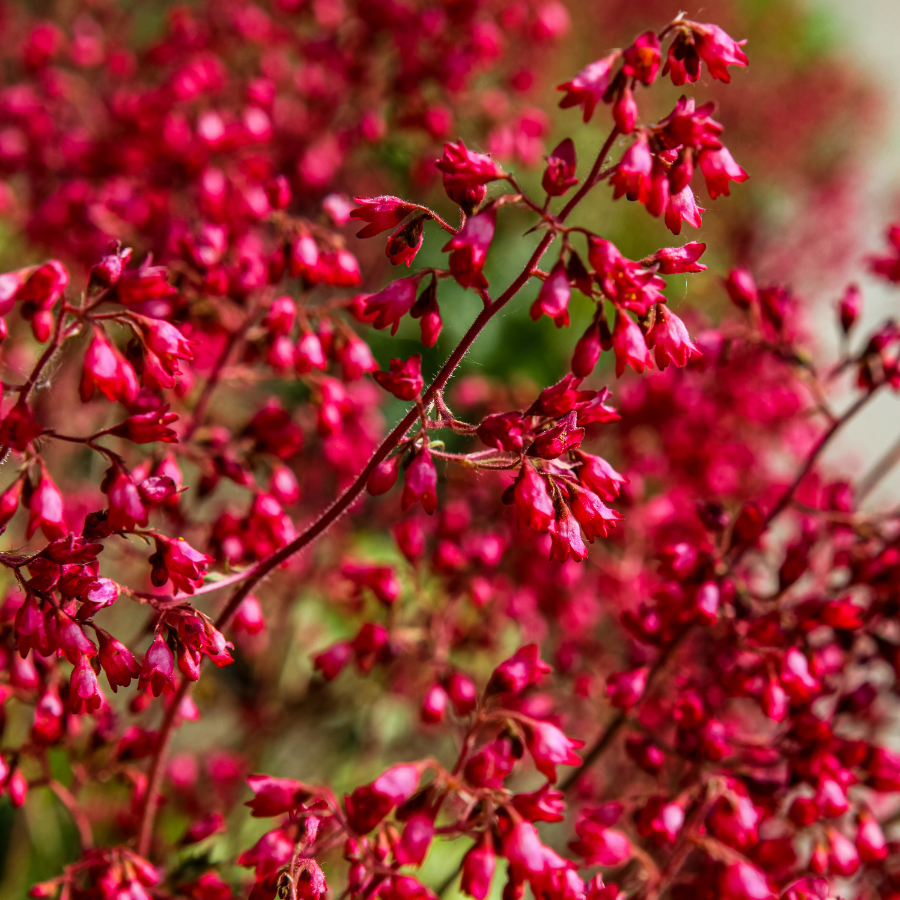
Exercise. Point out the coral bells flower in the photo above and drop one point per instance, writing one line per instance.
(599, 475)
(565, 537)
(469, 249)
(108, 371)
(632, 175)
(670, 340)
(629, 345)
(741, 288)
(534, 508)
(404, 380)
(587, 88)
(524, 850)
(559, 175)
(180, 562)
(889, 266)
(45, 505)
(625, 689)
(165, 342)
(405, 243)
(117, 661)
(594, 516)
(719, 167)
(679, 260)
(158, 668)
(381, 213)
(463, 169)
(148, 427)
(850, 308)
(275, 796)
(525, 667)
(553, 298)
(642, 59)
(19, 428)
(588, 349)
(143, 284)
(42, 288)
(741, 881)
(550, 747)
(125, 507)
(478, 868)
(718, 50)
(84, 691)
(683, 207)
(420, 485)
(390, 305)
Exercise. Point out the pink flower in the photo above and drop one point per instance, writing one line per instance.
(469, 249)
(741, 881)
(741, 288)
(850, 307)
(559, 439)
(597, 474)
(642, 59)
(404, 380)
(689, 126)
(144, 284)
(550, 747)
(587, 88)
(84, 691)
(106, 369)
(524, 851)
(719, 167)
(632, 175)
(525, 667)
(117, 661)
(332, 661)
(126, 511)
(679, 260)
(565, 537)
(587, 350)
(683, 207)
(718, 50)
(625, 689)
(543, 805)
(462, 168)
(670, 340)
(421, 483)
(148, 427)
(275, 796)
(180, 562)
(870, 841)
(559, 175)
(502, 430)
(594, 516)
(405, 243)
(629, 345)
(158, 668)
(45, 505)
(381, 213)
(553, 298)
(534, 508)
(390, 305)
(478, 868)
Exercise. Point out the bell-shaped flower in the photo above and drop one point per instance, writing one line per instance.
(524, 668)
(148, 427)
(405, 242)
(534, 508)
(117, 661)
(683, 207)
(469, 249)
(587, 88)
(642, 59)
(565, 537)
(679, 260)
(84, 690)
(390, 305)
(629, 345)
(45, 507)
(597, 474)
(625, 689)
(381, 214)
(478, 867)
(179, 561)
(542, 805)
(108, 371)
(275, 796)
(553, 298)
(462, 168)
(632, 175)
(126, 510)
(719, 167)
(550, 747)
(158, 669)
(670, 340)
(404, 380)
(420, 485)
(594, 516)
(559, 175)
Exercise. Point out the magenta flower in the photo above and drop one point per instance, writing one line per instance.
(404, 380)
(559, 175)
(670, 340)
(553, 298)
(469, 249)
(420, 484)
(381, 214)
(587, 88)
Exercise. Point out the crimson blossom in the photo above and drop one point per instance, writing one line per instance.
(669, 670)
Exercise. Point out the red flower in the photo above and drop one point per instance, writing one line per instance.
(159, 666)
(421, 483)
(45, 505)
(525, 667)
(679, 260)
(625, 689)
(180, 562)
(470, 247)
(534, 508)
(117, 661)
(464, 169)
(84, 690)
(719, 167)
(683, 207)
(478, 868)
(390, 305)
(587, 88)
(559, 175)
(404, 380)
(405, 243)
(550, 747)
(632, 175)
(670, 340)
(566, 540)
(642, 59)
(629, 345)
(594, 516)
(599, 475)
(553, 298)
(148, 427)
(275, 796)
(382, 213)
(143, 284)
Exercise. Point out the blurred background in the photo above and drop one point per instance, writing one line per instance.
(815, 120)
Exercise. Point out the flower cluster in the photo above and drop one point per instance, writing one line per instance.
(195, 390)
